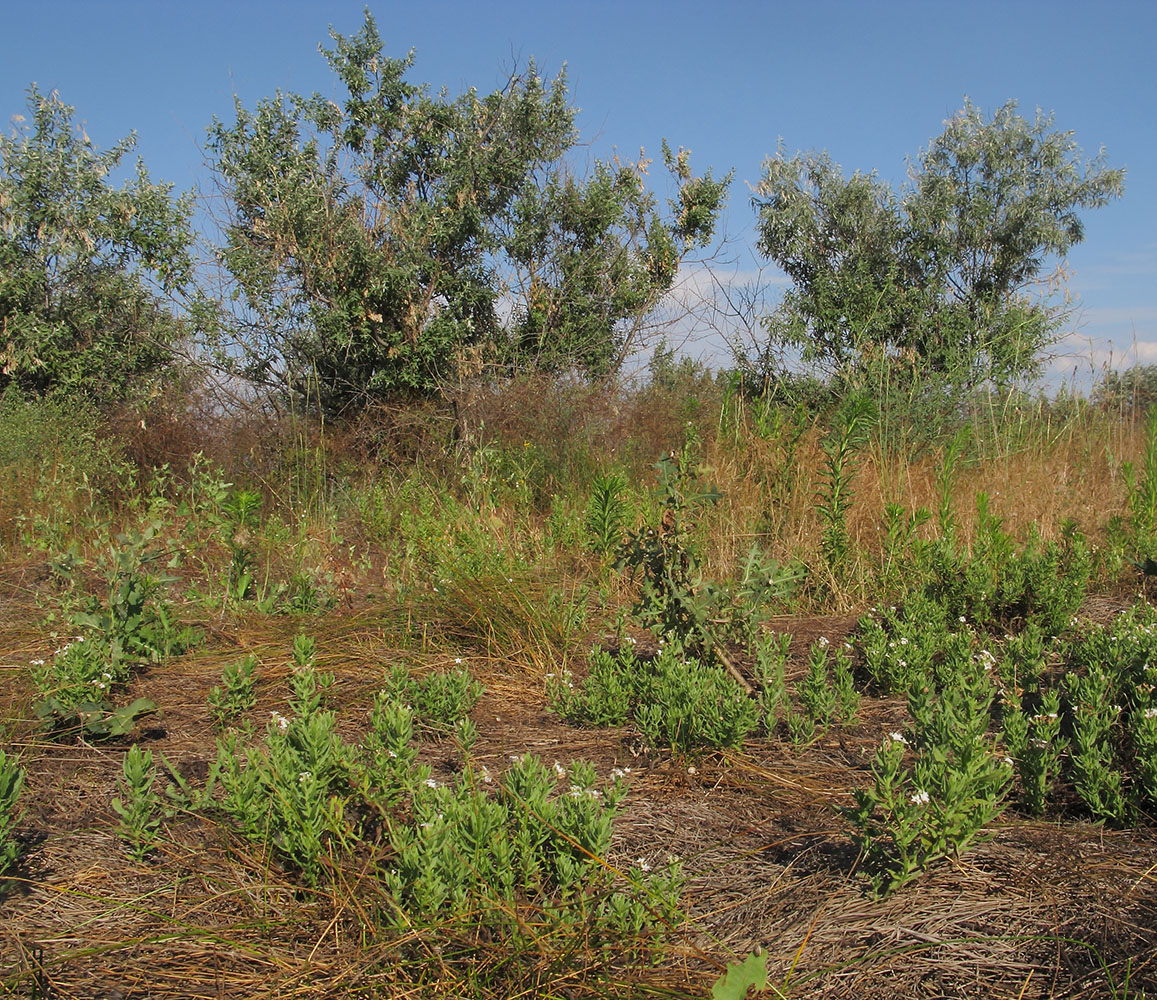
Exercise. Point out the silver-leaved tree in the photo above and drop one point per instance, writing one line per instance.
(945, 278)
(377, 243)
(84, 265)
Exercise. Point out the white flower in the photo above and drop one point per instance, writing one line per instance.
(38, 663)
(898, 738)
(559, 770)
(485, 774)
(644, 864)
(692, 769)
(1151, 713)
(281, 720)
(304, 777)
(457, 661)
(430, 783)
(921, 798)
(823, 641)
(619, 772)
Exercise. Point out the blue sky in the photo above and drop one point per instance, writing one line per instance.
(871, 82)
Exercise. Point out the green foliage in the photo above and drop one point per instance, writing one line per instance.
(997, 582)
(939, 278)
(903, 554)
(238, 694)
(606, 513)
(522, 854)
(135, 626)
(674, 600)
(899, 645)
(1097, 715)
(242, 509)
(687, 705)
(819, 700)
(956, 784)
(81, 262)
(674, 700)
(11, 784)
(1131, 392)
(1036, 745)
(130, 628)
(527, 861)
(771, 652)
(848, 434)
(291, 793)
(440, 700)
(139, 809)
(373, 240)
(1139, 533)
(742, 976)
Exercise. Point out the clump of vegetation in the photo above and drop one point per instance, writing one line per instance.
(133, 626)
(675, 701)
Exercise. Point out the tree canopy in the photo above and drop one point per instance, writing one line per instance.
(83, 264)
(944, 277)
(377, 242)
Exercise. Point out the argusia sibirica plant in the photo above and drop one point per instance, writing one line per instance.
(292, 792)
(1109, 687)
(236, 693)
(899, 645)
(956, 781)
(1037, 747)
(439, 700)
(523, 853)
(828, 690)
(675, 700)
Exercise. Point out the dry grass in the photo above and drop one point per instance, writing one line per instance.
(1043, 910)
